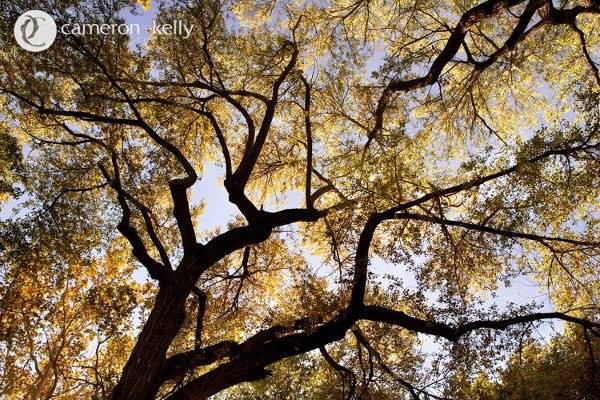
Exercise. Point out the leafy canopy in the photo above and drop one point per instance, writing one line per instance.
(394, 167)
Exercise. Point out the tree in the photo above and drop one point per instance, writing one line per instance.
(361, 143)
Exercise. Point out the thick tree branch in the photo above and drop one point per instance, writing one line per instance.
(253, 356)
(240, 177)
(309, 143)
(156, 270)
(454, 333)
(182, 363)
(147, 216)
(200, 312)
(495, 231)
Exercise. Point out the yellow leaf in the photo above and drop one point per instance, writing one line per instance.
(145, 4)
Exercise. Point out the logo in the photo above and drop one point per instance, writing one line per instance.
(35, 30)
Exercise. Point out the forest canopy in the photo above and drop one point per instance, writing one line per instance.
(342, 199)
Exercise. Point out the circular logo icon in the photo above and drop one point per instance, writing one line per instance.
(35, 30)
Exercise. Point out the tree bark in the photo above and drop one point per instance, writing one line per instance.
(141, 377)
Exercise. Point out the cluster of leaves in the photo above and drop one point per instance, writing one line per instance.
(564, 368)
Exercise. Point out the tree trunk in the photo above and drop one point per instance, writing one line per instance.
(140, 379)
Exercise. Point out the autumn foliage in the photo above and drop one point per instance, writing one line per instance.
(406, 203)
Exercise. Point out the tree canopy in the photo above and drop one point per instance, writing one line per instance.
(394, 167)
